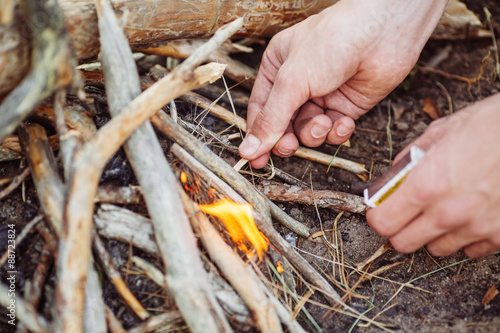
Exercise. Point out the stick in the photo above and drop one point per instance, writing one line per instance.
(380, 251)
(232, 304)
(14, 183)
(215, 181)
(124, 225)
(164, 321)
(234, 270)
(94, 318)
(305, 196)
(187, 278)
(10, 149)
(236, 70)
(113, 323)
(74, 249)
(21, 236)
(261, 213)
(39, 276)
(120, 195)
(233, 119)
(115, 277)
(42, 164)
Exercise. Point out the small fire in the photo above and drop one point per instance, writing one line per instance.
(184, 181)
(239, 222)
(279, 268)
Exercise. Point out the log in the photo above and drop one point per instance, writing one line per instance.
(149, 24)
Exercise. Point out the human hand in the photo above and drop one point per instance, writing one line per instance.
(320, 75)
(451, 200)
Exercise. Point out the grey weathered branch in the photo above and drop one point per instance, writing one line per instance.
(74, 248)
(187, 279)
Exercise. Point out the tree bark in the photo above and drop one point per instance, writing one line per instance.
(149, 24)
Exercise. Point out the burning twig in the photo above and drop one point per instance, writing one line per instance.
(115, 277)
(14, 183)
(231, 118)
(261, 213)
(234, 270)
(305, 196)
(217, 183)
(187, 278)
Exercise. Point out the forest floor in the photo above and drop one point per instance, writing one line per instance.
(422, 293)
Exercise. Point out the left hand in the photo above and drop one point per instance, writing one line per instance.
(451, 200)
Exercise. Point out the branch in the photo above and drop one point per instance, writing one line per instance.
(233, 119)
(187, 279)
(306, 196)
(74, 248)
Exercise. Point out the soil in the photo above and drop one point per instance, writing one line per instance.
(445, 294)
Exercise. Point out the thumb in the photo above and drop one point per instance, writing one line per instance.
(268, 121)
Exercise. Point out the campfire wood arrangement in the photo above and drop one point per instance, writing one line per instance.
(221, 284)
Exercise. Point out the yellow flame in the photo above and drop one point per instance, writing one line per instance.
(279, 268)
(239, 222)
(183, 177)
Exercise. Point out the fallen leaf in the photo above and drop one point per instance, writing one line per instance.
(431, 109)
(490, 294)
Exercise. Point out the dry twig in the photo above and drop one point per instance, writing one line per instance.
(115, 277)
(306, 196)
(306, 153)
(14, 183)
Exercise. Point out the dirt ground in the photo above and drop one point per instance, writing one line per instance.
(445, 294)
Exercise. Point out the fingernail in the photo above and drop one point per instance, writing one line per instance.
(249, 146)
(343, 130)
(285, 152)
(318, 131)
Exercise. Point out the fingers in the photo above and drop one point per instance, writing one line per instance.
(287, 145)
(260, 161)
(443, 226)
(314, 127)
(421, 188)
(481, 249)
(275, 97)
(342, 129)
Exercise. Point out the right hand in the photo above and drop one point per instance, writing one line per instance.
(320, 75)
